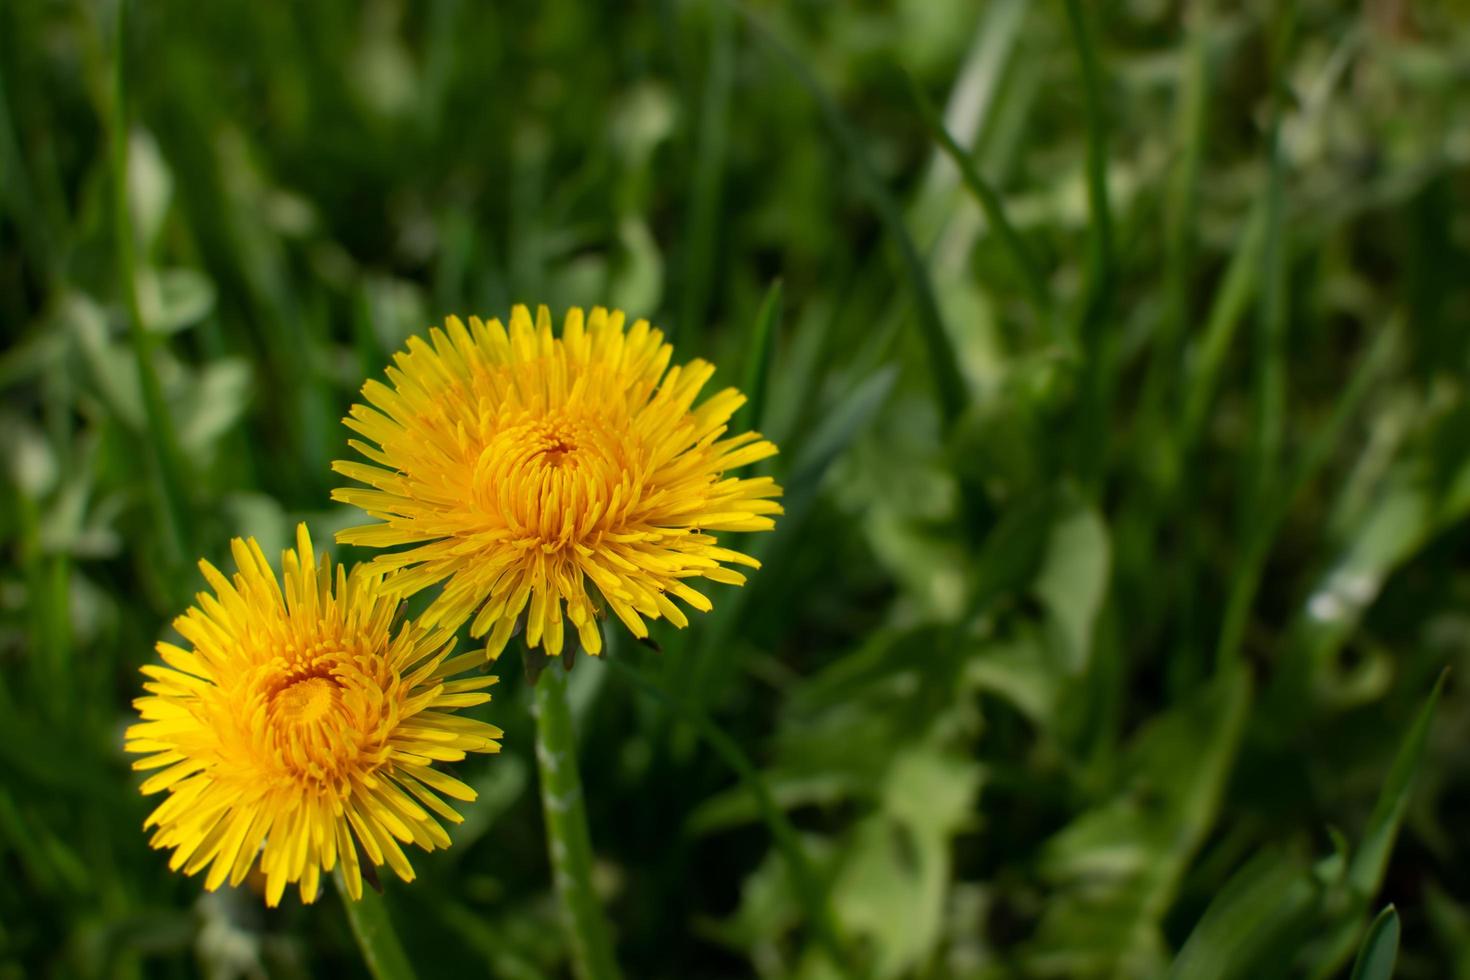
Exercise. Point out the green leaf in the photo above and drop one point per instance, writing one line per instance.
(1073, 581)
(174, 299)
(213, 403)
(1380, 948)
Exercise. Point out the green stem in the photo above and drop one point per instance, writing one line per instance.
(381, 951)
(567, 839)
(162, 441)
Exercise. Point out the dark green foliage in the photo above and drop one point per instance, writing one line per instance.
(1126, 541)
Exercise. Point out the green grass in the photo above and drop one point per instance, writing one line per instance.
(1119, 359)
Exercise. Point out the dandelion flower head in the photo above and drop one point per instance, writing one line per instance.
(550, 478)
(303, 727)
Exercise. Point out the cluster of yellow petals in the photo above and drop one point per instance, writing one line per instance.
(545, 477)
(303, 726)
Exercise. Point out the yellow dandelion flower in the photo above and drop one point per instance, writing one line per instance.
(551, 475)
(302, 727)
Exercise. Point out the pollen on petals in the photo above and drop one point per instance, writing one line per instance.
(551, 480)
(299, 731)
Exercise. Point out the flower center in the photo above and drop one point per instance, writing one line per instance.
(307, 700)
(553, 480)
(557, 451)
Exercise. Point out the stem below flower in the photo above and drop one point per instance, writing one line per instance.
(567, 839)
(381, 951)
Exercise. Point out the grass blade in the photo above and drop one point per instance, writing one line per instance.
(1101, 259)
(1380, 947)
(1180, 218)
(1247, 578)
(1365, 874)
(1097, 300)
(840, 426)
(1253, 925)
(1366, 870)
(161, 437)
(1226, 312)
(1270, 359)
(758, 361)
(990, 202)
(712, 139)
(949, 385)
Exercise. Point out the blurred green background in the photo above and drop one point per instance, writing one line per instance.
(1099, 637)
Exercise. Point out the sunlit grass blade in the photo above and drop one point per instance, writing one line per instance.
(990, 201)
(1380, 949)
(949, 385)
(809, 887)
(382, 953)
(163, 442)
(758, 360)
